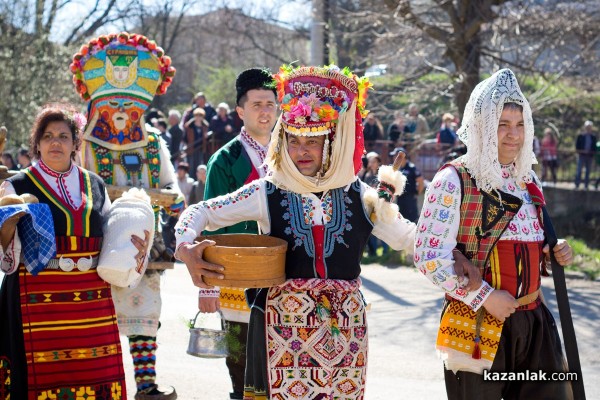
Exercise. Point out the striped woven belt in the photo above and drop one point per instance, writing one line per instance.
(528, 299)
(67, 264)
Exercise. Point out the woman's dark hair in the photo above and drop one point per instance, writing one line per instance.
(512, 105)
(10, 157)
(55, 112)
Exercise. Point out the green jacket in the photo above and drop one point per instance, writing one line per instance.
(227, 170)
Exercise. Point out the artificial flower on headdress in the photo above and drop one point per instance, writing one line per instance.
(318, 101)
(120, 74)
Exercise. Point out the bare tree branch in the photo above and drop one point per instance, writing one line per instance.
(77, 35)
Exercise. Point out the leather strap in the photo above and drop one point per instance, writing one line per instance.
(564, 310)
(529, 298)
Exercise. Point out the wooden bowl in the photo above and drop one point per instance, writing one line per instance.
(250, 261)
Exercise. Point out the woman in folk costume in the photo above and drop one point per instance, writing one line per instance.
(119, 74)
(59, 336)
(487, 204)
(308, 337)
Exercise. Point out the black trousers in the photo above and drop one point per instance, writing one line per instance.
(530, 342)
(257, 380)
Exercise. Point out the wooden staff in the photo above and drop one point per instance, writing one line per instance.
(564, 310)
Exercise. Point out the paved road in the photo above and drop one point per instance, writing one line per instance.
(402, 321)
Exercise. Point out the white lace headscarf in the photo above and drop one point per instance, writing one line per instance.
(479, 131)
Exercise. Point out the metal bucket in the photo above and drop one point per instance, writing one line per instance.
(207, 343)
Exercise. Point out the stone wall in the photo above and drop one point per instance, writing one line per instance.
(575, 213)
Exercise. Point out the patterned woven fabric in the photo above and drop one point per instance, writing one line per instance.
(515, 267)
(62, 360)
(316, 340)
(457, 334)
(233, 304)
(36, 231)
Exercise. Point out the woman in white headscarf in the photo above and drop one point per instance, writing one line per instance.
(487, 204)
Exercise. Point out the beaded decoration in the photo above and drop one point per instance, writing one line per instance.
(103, 159)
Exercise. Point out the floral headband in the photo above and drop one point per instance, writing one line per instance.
(313, 98)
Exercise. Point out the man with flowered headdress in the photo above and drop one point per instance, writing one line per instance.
(119, 74)
(307, 337)
(487, 205)
(237, 163)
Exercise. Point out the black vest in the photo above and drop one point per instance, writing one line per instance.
(345, 237)
(23, 184)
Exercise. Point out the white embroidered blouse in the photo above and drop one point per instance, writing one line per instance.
(439, 223)
(249, 203)
(64, 184)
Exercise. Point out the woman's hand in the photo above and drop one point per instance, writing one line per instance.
(142, 246)
(191, 255)
(562, 252)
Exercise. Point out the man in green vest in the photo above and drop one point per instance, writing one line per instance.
(487, 204)
(237, 163)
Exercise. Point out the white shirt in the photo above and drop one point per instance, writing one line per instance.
(440, 220)
(249, 203)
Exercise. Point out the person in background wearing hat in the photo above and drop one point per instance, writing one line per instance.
(415, 184)
(586, 147)
(234, 165)
(487, 206)
(308, 336)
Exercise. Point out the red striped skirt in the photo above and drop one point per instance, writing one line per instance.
(70, 336)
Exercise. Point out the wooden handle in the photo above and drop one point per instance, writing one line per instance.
(399, 160)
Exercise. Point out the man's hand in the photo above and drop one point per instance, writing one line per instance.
(500, 304)
(191, 255)
(208, 304)
(562, 252)
(468, 274)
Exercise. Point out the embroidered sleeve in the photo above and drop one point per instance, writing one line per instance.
(209, 293)
(435, 239)
(248, 203)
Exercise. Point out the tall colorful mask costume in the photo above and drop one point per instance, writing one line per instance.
(120, 74)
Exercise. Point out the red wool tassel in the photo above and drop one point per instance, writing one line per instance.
(476, 351)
